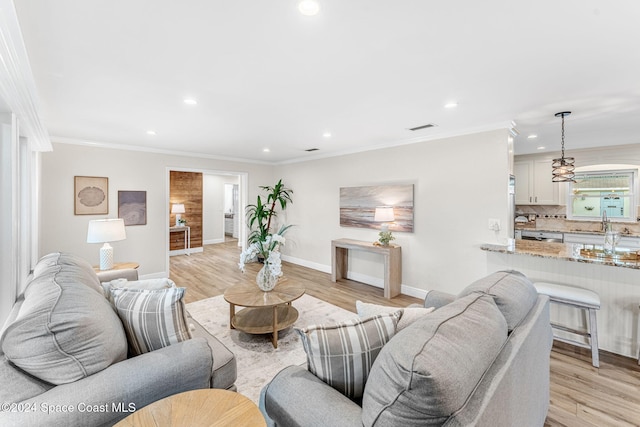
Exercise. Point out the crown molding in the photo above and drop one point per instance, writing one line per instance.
(416, 140)
(17, 86)
(127, 147)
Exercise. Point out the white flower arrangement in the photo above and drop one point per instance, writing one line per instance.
(269, 249)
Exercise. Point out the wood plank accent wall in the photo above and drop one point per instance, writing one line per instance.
(186, 187)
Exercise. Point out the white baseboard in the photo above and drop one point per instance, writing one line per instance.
(308, 264)
(213, 241)
(358, 277)
(185, 251)
(413, 292)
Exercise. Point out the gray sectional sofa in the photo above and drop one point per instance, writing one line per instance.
(65, 359)
(480, 359)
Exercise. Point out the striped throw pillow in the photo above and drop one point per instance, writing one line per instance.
(341, 355)
(152, 319)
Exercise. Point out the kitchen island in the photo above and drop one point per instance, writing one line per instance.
(577, 252)
(615, 279)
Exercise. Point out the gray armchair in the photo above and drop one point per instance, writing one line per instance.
(86, 378)
(480, 359)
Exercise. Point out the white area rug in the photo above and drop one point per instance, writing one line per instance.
(258, 362)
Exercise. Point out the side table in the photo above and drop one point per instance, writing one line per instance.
(118, 266)
(198, 408)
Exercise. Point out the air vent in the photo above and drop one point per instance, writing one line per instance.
(430, 125)
(308, 150)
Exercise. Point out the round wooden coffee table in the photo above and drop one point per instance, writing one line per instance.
(266, 312)
(196, 408)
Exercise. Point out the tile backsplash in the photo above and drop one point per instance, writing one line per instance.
(554, 218)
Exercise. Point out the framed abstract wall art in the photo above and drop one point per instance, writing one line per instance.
(358, 206)
(91, 195)
(132, 207)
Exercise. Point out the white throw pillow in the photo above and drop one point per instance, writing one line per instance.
(409, 314)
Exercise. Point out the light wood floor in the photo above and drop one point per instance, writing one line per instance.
(581, 395)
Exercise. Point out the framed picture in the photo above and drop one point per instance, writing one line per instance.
(91, 195)
(132, 207)
(358, 206)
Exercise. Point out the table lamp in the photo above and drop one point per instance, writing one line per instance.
(385, 215)
(178, 209)
(105, 231)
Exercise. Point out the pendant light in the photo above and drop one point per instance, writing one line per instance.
(564, 166)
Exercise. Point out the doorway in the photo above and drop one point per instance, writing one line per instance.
(207, 197)
(231, 211)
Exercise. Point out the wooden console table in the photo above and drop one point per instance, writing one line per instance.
(392, 262)
(187, 236)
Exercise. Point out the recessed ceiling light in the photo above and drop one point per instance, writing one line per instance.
(327, 134)
(190, 101)
(151, 132)
(265, 150)
(452, 104)
(309, 7)
(532, 136)
(541, 147)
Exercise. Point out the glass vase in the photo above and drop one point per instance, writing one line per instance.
(265, 280)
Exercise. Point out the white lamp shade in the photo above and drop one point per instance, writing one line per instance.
(177, 208)
(106, 230)
(384, 214)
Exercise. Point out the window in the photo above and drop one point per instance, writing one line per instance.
(18, 212)
(596, 193)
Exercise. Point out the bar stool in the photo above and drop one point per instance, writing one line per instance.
(582, 299)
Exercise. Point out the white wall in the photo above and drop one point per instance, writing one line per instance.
(213, 207)
(61, 230)
(459, 183)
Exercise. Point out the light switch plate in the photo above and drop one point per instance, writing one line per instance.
(494, 224)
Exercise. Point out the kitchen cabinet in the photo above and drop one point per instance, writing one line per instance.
(533, 183)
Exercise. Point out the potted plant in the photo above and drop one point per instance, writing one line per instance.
(385, 237)
(261, 214)
(263, 243)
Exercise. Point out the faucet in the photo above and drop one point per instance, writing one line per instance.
(604, 220)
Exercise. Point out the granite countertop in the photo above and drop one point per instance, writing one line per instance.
(562, 251)
(597, 233)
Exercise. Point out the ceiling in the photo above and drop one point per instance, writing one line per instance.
(266, 77)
